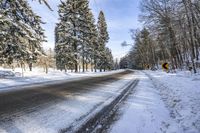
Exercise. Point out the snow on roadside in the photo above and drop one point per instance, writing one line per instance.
(10, 78)
(4, 74)
(144, 112)
(36, 76)
(181, 94)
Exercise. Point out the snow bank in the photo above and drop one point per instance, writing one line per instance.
(36, 76)
(12, 78)
(144, 112)
(4, 73)
(181, 94)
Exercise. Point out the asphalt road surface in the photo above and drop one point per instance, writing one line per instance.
(14, 104)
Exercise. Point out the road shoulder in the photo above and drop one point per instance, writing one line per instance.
(144, 111)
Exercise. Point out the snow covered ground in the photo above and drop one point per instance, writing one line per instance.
(10, 78)
(71, 109)
(161, 103)
(181, 94)
(145, 112)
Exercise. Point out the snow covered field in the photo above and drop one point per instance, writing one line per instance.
(10, 78)
(181, 93)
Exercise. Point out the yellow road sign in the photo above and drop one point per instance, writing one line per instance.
(165, 66)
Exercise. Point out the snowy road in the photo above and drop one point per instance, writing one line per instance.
(53, 108)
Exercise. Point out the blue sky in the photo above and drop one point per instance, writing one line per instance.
(121, 16)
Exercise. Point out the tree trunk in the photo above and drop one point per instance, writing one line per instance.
(86, 67)
(83, 65)
(46, 68)
(191, 31)
(22, 67)
(95, 65)
(30, 66)
(65, 68)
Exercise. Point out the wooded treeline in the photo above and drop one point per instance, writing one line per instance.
(78, 39)
(171, 34)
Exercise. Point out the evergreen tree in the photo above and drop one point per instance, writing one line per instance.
(103, 38)
(94, 45)
(46, 3)
(85, 32)
(21, 34)
(68, 32)
(74, 34)
(108, 61)
(64, 50)
(116, 64)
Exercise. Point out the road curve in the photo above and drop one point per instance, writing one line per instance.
(20, 104)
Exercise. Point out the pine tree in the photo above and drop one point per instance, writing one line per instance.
(67, 32)
(108, 61)
(85, 32)
(94, 51)
(73, 33)
(103, 38)
(46, 3)
(3, 34)
(21, 33)
(64, 50)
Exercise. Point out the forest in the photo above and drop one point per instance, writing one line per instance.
(171, 34)
(80, 41)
